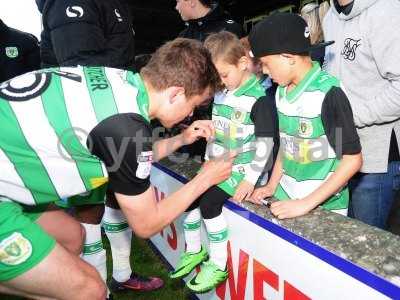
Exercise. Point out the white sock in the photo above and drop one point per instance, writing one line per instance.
(120, 236)
(93, 252)
(217, 229)
(191, 229)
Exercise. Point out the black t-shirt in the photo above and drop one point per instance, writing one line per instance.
(124, 143)
(265, 118)
(337, 118)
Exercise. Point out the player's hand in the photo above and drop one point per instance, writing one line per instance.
(260, 193)
(198, 129)
(218, 169)
(291, 208)
(243, 191)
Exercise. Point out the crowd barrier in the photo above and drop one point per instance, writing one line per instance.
(319, 256)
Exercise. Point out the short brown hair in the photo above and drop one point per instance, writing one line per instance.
(226, 46)
(182, 62)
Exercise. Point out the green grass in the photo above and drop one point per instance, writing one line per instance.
(145, 262)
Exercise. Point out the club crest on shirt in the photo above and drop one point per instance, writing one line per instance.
(305, 128)
(12, 52)
(238, 115)
(15, 249)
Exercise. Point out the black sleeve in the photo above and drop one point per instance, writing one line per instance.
(264, 116)
(32, 58)
(76, 33)
(124, 143)
(337, 118)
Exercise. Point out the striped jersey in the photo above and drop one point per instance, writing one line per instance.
(234, 129)
(46, 117)
(308, 158)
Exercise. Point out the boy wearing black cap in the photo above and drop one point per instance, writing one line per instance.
(320, 147)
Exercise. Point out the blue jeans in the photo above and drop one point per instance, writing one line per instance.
(372, 195)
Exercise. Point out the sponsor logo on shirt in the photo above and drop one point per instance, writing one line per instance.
(12, 52)
(118, 15)
(15, 249)
(350, 48)
(74, 12)
(144, 161)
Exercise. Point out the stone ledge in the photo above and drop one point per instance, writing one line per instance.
(373, 249)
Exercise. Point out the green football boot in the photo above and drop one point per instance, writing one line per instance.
(188, 262)
(208, 279)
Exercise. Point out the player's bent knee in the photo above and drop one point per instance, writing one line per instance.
(92, 288)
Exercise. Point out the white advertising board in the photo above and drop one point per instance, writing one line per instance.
(266, 261)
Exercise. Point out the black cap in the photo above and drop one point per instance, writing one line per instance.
(282, 33)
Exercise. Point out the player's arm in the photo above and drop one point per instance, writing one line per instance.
(269, 189)
(147, 217)
(198, 129)
(337, 118)
(129, 173)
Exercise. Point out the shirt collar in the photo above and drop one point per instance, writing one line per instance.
(294, 94)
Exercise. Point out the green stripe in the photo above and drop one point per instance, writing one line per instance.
(191, 226)
(309, 128)
(115, 227)
(231, 142)
(218, 237)
(340, 201)
(227, 111)
(102, 97)
(25, 160)
(294, 94)
(56, 111)
(229, 186)
(315, 170)
(142, 97)
(251, 88)
(93, 248)
(281, 194)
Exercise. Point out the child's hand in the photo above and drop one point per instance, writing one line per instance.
(261, 193)
(291, 208)
(243, 191)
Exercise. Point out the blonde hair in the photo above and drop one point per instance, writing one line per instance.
(226, 46)
(323, 9)
(310, 13)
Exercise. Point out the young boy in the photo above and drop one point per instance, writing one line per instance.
(320, 147)
(239, 117)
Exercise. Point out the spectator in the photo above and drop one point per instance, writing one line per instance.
(20, 52)
(310, 13)
(87, 32)
(203, 17)
(312, 109)
(365, 58)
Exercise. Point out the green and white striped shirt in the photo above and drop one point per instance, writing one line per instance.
(308, 158)
(234, 129)
(45, 119)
